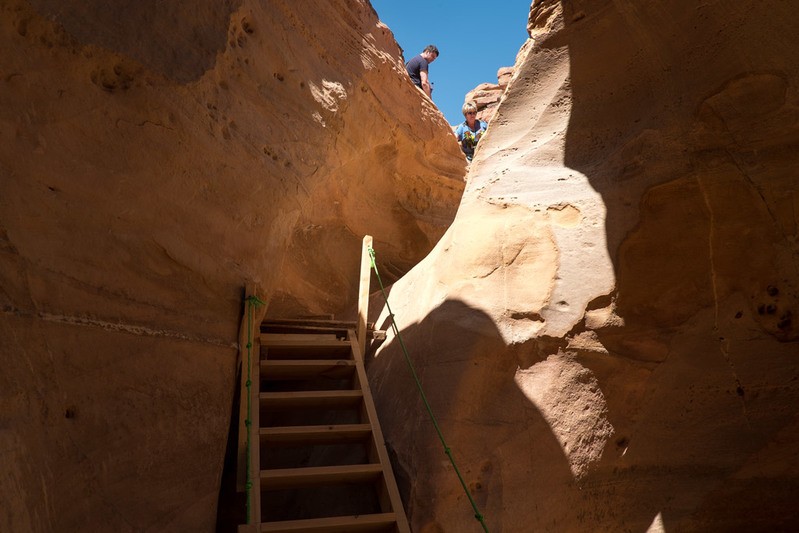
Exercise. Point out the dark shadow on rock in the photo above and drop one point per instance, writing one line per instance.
(690, 149)
(499, 439)
(231, 504)
(180, 40)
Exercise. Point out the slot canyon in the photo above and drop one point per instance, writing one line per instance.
(601, 306)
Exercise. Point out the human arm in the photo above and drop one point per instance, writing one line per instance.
(425, 82)
(459, 132)
(481, 130)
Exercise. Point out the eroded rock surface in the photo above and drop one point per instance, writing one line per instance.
(607, 332)
(154, 157)
(488, 95)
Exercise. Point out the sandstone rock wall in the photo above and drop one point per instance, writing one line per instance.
(153, 158)
(608, 331)
(488, 95)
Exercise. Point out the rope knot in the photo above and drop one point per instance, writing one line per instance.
(254, 300)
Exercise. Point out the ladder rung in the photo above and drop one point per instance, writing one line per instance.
(289, 478)
(309, 346)
(342, 324)
(310, 341)
(316, 434)
(333, 524)
(305, 369)
(316, 398)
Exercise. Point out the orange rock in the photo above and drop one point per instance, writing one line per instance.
(154, 159)
(610, 321)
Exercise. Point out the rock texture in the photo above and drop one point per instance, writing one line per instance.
(153, 158)
(488, 95)
(608, 332)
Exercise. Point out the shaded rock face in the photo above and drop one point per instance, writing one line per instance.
(154, 157)
(179, 41)
(608, 331)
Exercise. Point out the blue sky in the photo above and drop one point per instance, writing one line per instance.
(475, 39)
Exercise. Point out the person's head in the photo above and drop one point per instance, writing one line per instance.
(430, 53)
(469, 111)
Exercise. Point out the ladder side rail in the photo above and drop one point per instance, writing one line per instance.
(255, 436)
(363, 294)
(378, 443)
(258, 314)
(249, 362)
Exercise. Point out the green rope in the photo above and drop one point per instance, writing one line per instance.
(252, 301)
(447, 450)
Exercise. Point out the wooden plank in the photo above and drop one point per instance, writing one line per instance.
(328, 434)
(247, 329)
(304, 369)
(290, 478)
(363, 293)
(241, 454)
(335, 524)
(275, 339)
(345, 324)
(379, 443)
(269, 339)
(288, 330)
(311, 347)
(315, 398)
(255, 449)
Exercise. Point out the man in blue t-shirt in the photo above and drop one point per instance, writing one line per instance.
(417, 68)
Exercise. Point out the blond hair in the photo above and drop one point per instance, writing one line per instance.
(469, 106)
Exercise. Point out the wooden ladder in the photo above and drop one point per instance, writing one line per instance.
(319, 463)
